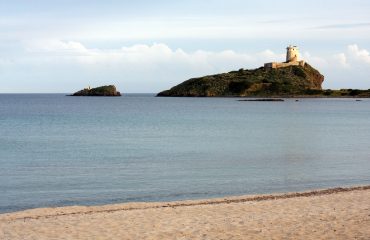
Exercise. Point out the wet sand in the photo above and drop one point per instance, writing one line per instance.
(340, 213)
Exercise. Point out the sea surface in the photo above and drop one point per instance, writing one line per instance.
(57, 150)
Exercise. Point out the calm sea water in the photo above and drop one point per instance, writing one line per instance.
(57, 150)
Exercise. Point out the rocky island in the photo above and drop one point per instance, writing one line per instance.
(104, 91)
(286, 81)
(293, 78)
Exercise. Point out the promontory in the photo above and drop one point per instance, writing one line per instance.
(103, 91)
(292, 78)
(286, 81)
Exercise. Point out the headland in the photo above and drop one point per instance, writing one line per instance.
(292, 78)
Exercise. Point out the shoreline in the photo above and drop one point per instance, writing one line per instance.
(263, 96)
(335, 213)
(34, 213)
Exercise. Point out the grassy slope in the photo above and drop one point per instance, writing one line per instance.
(258, 82)
(293, 81)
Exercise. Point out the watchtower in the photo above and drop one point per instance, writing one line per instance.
(292, 54)
(292, 59)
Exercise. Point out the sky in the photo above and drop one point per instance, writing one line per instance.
(61, 46)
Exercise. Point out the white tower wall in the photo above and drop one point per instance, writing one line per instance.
(292, 54)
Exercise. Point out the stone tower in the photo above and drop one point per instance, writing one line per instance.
(292, 59)
(292, 54)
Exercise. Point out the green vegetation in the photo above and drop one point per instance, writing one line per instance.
(288, 81)
(107, 91)
(239, 87)
(346, 93)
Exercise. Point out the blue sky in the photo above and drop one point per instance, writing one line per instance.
(148, 46)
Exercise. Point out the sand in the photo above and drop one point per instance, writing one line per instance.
(341, 213)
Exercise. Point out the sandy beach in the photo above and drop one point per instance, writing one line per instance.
(340, 213)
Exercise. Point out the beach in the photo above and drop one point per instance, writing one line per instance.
(340, 213)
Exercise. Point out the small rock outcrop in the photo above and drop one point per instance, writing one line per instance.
(103, 91)
(261, 82)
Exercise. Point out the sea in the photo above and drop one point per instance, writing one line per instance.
(57, 150)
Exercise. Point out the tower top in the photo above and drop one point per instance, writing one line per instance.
(291, 47)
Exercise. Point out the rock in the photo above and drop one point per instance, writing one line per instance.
(103, 91)
(263, 100)
(261, 82)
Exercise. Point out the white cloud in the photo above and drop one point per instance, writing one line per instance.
(349, 69)
(150, 55)
(66, 65)
(157, 53)
(315, 60)
(361, 55)
(269, 56)
(57, 46)
(353, 57)
(341, 58)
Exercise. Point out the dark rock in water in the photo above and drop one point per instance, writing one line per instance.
(103, 91)
(280, 82)
(262, 100)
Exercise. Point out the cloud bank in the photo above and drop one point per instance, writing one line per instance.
(156, 53)
(64, 66)
(358, 55)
